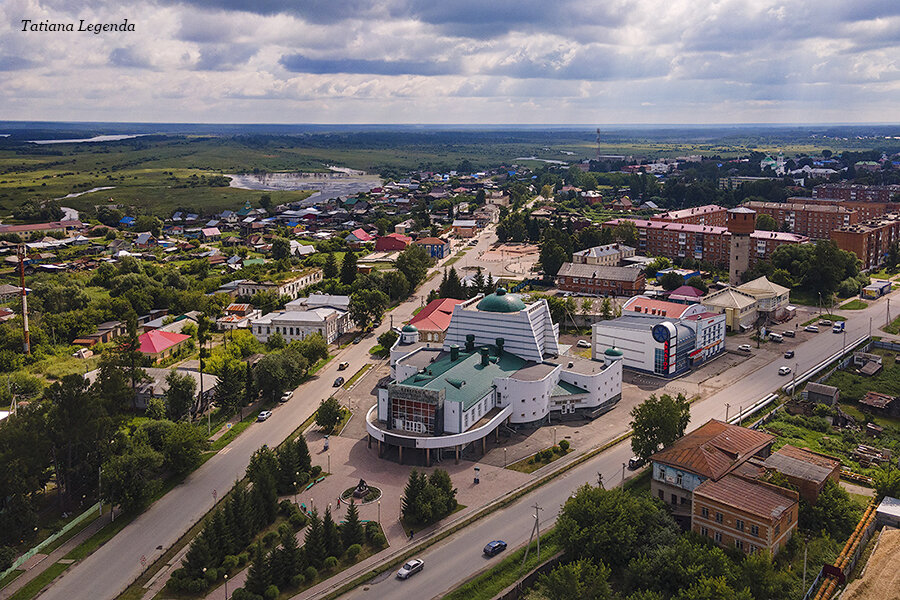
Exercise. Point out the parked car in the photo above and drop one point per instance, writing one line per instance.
(776, 337)
(264, 415)
(744, 347)
(825, 322)
(343, 365)
(635, 462)
(789, 333)
(811, 328)
(789, 354)
(410, 568)
(286, 396)
(339, 382)
(583, 344)
(494, 548)
(785, 370)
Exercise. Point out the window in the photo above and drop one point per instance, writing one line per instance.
(674, 499)
(718, 537)
(778, 529)
(704, 532)
(753, 548)
(661, 495)
(738, 524)
(704, 512)
(683, 500)
(718, 517)
(739, 544)
(678, 478)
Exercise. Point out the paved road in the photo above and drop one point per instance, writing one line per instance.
(459, 557)
(112, 568)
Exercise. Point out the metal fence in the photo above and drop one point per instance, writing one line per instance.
(815, 585)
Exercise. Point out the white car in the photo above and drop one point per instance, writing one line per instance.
(286, 396)
(744, 347)
(583, 344)
(811, 328)
(784, 370)
(264, 415)
(410, 568)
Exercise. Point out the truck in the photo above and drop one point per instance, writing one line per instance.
(838, 327)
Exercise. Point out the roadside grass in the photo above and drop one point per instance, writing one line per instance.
(357, 375)
(33, 587)
(10, 577)
(806, 298)
(453, 260)
(378, 350)
(639, 484)
(537, 460)
(854, 305)
(829, 316)
(69, 535)
(893, 327)
(408, 527)
(491, 583)
(232, 433)
(882, 274)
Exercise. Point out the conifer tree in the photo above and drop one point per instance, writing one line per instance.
(313, 543)
(259, 575)
(330, 269)
(198, 557)
(331, 536)
(288, 559)
(304, 461)
(411, 494)
(352, 530)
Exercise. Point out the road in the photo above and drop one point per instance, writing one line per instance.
(111, 569)
(459, 557)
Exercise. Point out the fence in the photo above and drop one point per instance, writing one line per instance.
(815, 585)
(68, 527)
(886, 345)
(516, 590)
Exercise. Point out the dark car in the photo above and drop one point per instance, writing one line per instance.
(789, 354)
(339, 382)
(494, 548)
(635, 462)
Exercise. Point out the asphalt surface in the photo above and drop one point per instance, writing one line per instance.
(459, 557)
(111, 569)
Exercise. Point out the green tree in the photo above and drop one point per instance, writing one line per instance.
(328, 414)
(281, 248)
(671, 280)
(330, 269)
(580, 579)
(314, 542)
(367, 307)
(658, 422)
(259, 576)
(180, 393)
(887, 483)
(698, 283)
(230, 389)
(657, 264)
(334, 546)
(411, 494)
(626, 233)
(348, 268)
(387, 339)
(413, 262)
(129, 479)
(182, 447)
(833, 513)
(766, 222)
(552, 257)
(352, 530)
(451, 287)
(396, 285)
(313, 348)
(761, 577)
(712, 588)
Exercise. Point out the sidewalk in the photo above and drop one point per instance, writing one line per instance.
(39, 563)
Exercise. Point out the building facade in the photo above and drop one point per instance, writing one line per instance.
(608, 255)
(600, 280)
(857, 192)
(869, 241)
(293, 325)
(710, 214)
(815, 221)
(290, 287)
(435, 247)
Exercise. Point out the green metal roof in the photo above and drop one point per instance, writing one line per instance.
(564, 388)
(409, 329)
(465, 380)
(501, 302)
(613, 352)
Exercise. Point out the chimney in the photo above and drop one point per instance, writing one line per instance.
(470, 342)
(500, 342)
(454, 352)
(485, 356)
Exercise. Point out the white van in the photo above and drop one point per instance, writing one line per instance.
(776, 337)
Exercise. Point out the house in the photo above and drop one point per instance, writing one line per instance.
(161, 344)
(821, 393)
(660, 308)
(209, 234)
(600, 280)
(771, 299)
(685, 294)
(433, 320)
(610, 255)
(465, 228)
(237, 316)
(293, 325)
(145, 240)
(156, 386)
(881, 404)
(126, 221)
(807, 471)
(9, 293)
(290, 286)
(358, 237)
(320, 301)
(435, 247)
(105, 332)
(52, 226)
(392, 242)
(404, 227)
(738, 307)
(298, 249)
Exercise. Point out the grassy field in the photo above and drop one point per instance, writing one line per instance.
(893, 328)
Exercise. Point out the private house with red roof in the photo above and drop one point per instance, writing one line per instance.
(433, 320)
(358, 237)
(392, 242)
(159, 344)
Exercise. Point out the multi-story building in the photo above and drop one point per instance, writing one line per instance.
(869, 241)
(812, 220)
(292, 325)
(864, 210)
(600, 280)
(432, 321)
(609, 255)
(702, 242)
(857, 192)
(435, 247)
(710, 214)
(290, 286)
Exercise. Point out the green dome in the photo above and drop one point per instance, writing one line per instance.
(613, 352)
(501, 302)
(409, 329)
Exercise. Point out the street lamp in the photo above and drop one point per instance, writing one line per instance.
(379, 511)
(226, 586)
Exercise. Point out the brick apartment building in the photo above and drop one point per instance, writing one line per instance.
(600, 280)
(710, 214)
(857, 192)
(869, 241)
(812, 220)
(864, 210)
(702, 242)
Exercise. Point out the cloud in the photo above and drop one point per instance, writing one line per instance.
(303, 64)
(14, 63)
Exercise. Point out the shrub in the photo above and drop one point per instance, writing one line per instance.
(315, 471)
(179, 573)
(286, 508)
(229, 563)
(297, 580)
(210, 576)
(284, 529)
(353, 551)
(531, 461)
(298, 521)
(564, 445)
(546, 455)
(379, 541)
(372, 529)
(270, 539)
(310, 574)
(243, 558)
(271, 592)
(242, 594)
(330, 563)
(195, 586)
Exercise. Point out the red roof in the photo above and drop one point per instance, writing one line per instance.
(687, 290)
(361, 235)
(432, 241)
(651, 306)
(155, 341)
(436, 315)
(747, 496)
(713, 448)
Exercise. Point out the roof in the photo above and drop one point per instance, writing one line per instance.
(599, 272)
(564, 388)
(729, 298)
(436, 315)
(210, 231)
(431, 241)
(674, 215)
(708, 229)
(686, 291)
(713, 448)
(464, 223)
(156, 341)
(613, 351)
(822, 389)
(747, 496)
(794, 462)
(605, 250)
(361, 235)
(651, 306)
(763, 288)
(876, 400)
(501, 302)
(409, 329)
(465, 380)
(741, 210)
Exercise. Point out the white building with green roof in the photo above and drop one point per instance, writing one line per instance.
(499, 365)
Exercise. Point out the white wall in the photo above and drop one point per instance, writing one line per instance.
(528, 400)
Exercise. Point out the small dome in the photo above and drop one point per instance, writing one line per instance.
(501, 302)
(613, 352)
(409, 329)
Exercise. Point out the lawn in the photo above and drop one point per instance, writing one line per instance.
(357, 375)
(453, 260)
(893, 328)
(828, 316)
(232, 433)
(854, 305)
(538, 460)
(31, 589)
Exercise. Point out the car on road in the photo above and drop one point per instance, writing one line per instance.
(744, 347)
(410, 568)
(789, 354)
(286, 396)
(357, 340)
(789, 333)
(494, 548)
(583, 344)
(263, 415)
(635, 462)
(838, 327)
(811, 328)
(339, 382)
(785, 370)
(343, 365)
(825, 322)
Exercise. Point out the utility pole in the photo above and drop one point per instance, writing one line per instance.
(26, 336)
(887, 320)
(727, 406)
(536, 529)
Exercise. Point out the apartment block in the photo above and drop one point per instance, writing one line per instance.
(600, 280)
(857, 192)
(710, 214)
(869, 241)
(864, 210)
(812, 220)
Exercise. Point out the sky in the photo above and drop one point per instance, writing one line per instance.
(454, 61)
